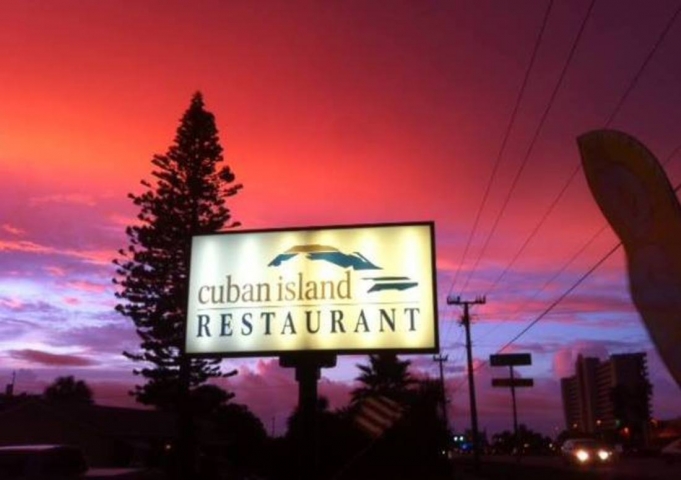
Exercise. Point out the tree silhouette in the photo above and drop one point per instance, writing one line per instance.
(528, 442)
(208, 399)
(68, 390)
(338, 439)
(187, 198)
(385, 375)
(415, 446)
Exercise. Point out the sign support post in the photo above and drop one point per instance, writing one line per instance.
(515, 410)
(511, 359)
(308, 368)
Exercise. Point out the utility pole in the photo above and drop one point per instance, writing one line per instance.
(466, 322)
(445, 418)
(516, 439)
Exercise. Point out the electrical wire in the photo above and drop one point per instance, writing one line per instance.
(577, 168)
(567, 292)
(533, 142)
(555, 276)
(633, 83)
(504, 141)
(482, 363)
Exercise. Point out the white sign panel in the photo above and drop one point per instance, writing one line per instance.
(342, 289)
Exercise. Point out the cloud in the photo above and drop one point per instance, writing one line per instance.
(86, 286)
(563, 363)
(120, 222)
(51, 359)
(12, 229)
(565, 357)
(69, 199)
(101, 257)
(11, 303)
(111, 338)
(538, 348)
(24, 246)
(11, 328)
(34, 307)
(55, 271)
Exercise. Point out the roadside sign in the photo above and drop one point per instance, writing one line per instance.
(513, 382)
(510, 359)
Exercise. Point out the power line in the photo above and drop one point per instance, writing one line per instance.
(568, 291)
(571, 178)
(669, 158)
(565, 294)
(555, 276)
(504, 141)
(576, 170)
(533, 142)
(644, 65)
(560, 298)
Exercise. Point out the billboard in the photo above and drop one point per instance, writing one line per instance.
(348, 289)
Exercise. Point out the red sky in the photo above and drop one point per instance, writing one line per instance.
(331, 113)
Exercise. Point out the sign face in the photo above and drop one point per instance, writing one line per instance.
(510, 359)
(351, 289)
(516, 382)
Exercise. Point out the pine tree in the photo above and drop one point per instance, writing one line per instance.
(186, 198)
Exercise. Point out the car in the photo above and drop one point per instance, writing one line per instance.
(586, 451)
(672, 452)
(41, 462)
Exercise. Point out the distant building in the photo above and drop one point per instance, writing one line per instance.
(611, 395)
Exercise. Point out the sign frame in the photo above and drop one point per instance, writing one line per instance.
(433, 346)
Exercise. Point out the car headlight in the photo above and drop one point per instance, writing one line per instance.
(603, 455)
(582, 455)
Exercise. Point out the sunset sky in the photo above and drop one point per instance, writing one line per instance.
(335, 112)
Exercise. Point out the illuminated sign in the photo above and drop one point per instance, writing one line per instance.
(341, 289)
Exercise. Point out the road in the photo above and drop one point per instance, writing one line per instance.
(552, 468)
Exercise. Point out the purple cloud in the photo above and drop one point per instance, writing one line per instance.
(51, 359)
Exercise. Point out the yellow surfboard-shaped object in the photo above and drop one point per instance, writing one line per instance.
(634, 193)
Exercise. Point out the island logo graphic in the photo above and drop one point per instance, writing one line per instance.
(355, 261)
(339, 289)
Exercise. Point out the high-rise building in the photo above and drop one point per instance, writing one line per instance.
(607, 395)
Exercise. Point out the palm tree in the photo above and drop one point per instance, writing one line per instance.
(386, 375)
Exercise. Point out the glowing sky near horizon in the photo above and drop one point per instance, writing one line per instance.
(330, 113)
